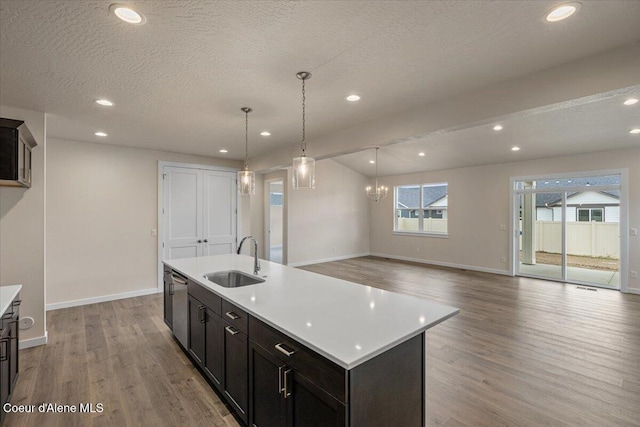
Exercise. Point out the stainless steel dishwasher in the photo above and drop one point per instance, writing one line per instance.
(180, 308)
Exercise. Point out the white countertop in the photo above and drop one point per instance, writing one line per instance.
(7, 294)
(346, 322)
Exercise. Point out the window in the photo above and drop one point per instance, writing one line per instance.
(421, 208)
(592, 214)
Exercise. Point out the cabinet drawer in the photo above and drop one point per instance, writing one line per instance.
(235, 316)
(323, 372)
(205, 296)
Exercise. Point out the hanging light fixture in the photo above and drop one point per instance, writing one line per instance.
(378, 192)
(246, 178)
(304, 168)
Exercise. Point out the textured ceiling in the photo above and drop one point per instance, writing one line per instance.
(179, 80)
(590, 127)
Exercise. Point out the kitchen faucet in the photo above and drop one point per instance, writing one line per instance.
(256, 263)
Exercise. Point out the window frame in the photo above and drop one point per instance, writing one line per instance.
(590, 211)
(421, 210)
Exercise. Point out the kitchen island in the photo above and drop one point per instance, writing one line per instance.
(305, 349)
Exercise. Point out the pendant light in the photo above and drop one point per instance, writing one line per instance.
(246, 178)
(380, 191)
(304, 168)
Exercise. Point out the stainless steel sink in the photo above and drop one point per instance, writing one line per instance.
(232, 278)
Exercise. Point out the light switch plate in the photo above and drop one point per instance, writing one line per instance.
(633, 231)
(154, 232)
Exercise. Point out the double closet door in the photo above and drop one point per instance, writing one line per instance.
(199, 212)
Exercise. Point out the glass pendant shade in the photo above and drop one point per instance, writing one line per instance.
(246, 179)
(304, 172)
(246, 183)
(304, 168)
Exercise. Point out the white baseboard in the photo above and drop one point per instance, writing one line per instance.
(444, 264)
(318, 261)
(33, 342)
(105, 298)
(633, 291)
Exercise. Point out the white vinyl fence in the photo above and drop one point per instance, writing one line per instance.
(592, 239)
(434, 225)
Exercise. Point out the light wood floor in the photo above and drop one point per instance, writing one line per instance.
(522, 352)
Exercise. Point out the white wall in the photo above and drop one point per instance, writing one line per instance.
(331, 221)
(102, 203)
(480, 195)
(22, 231)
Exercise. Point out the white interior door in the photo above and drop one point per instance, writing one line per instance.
(182, 212)
(219, 219)
(199, 212)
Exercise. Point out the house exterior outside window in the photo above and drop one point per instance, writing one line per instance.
(421, 209)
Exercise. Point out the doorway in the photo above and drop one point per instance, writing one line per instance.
(568, 229)
(274, 218)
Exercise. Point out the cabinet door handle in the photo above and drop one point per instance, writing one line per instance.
(280, 382)
(281, 348)
(287, 391)
(171, 290)
(178, 279)
(16, 303)
(202, 314)
(232, 330)
(205, 241)
(4, 353)
(199, 241)
(231, 315)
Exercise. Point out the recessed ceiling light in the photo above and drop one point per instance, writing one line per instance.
(631, 101)
(100, 134)
(372, 161)
(562, 11)
(515, 148)
(353, 98)
(497, 127)
(265, 133)
(421, 154)
(634, 131)
(224, 151)
(104, 102)
(127, 14)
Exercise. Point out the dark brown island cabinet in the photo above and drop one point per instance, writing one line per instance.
(271, 380)
(9, 336)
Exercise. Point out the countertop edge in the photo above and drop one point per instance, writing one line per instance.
(14, 290)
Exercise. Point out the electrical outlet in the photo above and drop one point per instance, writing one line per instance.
(154, 232)
(633, 274)
(633, 231)
(502, 227)
(503, 260)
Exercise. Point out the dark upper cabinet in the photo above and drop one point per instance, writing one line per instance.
(16, 143)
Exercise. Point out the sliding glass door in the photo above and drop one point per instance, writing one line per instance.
(568, 229)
